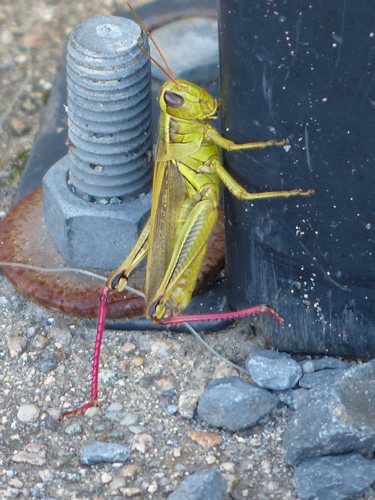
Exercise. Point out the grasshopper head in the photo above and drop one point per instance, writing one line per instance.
(182, 99)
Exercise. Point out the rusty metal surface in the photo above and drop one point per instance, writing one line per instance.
(24, 238)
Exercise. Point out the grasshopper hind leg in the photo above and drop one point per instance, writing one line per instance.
(175, 291)
(119, 278)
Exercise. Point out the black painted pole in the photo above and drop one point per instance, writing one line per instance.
(303, 70)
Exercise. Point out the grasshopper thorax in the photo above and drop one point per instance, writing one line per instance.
(185, 100)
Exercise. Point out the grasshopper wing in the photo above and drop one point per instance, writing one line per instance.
(168, 195)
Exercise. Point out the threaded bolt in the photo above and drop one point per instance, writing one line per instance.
(109, 110)
(110, 158)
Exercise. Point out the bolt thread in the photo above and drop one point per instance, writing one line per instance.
(109, 110)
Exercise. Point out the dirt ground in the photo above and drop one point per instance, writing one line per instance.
(143, 374)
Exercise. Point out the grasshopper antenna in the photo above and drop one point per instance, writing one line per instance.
(157, 64)
(170, 75)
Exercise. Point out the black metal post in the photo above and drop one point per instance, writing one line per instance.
(303, 70)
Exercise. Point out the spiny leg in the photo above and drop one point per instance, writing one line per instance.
(212, 134)
(240, 192)
(95, 361)
(117, 280)
(178, 283)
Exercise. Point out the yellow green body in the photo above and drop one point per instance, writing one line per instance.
(186, 189)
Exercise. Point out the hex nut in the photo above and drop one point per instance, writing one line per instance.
(90, 234)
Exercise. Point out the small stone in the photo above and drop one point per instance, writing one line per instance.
(328, 362)
(52, 423)
(171, 409)
(205, 439)
(137, 429)
(167, 384)
(17, 346)
(105, 478)
(15, 482)
(334, 478)
(130, 471)
(234, 404)
(130, 491)
(3, 300)
(34, 454)
(128, 347)
(272, 369)
(107, 376)
(122, 365)
(103, 452)
(211, 459)
(49, 380)
(206, 484)
(231, 480)
(115, 406)
(187, 403)
(114, 415)
(46, 364)
(91, 412)
(313, 379)
(72, 429)
(117, 483)
(142, 442)
(45, 475)
(137, 361)
(40, 341)
(224, 370)
(61, 335)
(308, 366)
(129, 419)
(152, 488)
(162, 348)
(28, 413)
(19, 127)
(333, 419)
(227, 467)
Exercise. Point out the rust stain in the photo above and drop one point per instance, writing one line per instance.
(25, 239)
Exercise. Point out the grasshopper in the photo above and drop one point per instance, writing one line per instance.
(188, 176)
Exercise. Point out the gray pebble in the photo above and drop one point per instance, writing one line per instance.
(104, 452)
(334, 419)
(129, 419)
(307, 366)
(61, 335)
(272, 369)
(115, 406)
(310, 380)
(333, 478)
(206, 484)
(51, 423)
(28, 413)
(187, 403)
(72, 429)
(330, 362)
(114, 415)
(234, 404)
(46, 365)
(17, 346)
(137, 429)
(171, 409)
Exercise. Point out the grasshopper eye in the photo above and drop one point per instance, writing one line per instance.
(173, 100)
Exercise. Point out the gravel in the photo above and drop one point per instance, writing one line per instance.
(46, 358)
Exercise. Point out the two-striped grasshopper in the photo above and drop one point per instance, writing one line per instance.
(188, 176)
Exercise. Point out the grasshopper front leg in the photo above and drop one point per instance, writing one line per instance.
(234, 187)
